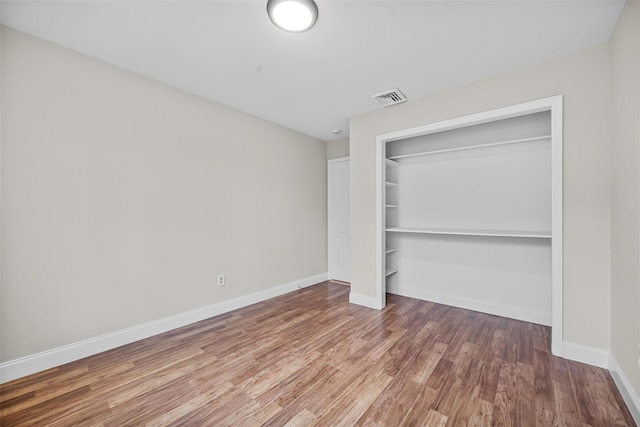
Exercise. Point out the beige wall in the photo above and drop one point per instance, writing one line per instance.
(583, 79)
(338, 148)
(123, 198)
(625, 192)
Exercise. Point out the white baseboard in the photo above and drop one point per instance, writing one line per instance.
(28, 365)
(629, 395)
(585, 354)
(365, 300)
(483, 307)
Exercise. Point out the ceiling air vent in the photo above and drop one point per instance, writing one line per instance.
(390, 97)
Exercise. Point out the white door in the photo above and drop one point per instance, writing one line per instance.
(338, 189)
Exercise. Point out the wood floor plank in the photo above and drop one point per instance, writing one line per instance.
(52, 391)
(311, 358)
(427, 361)
(434, 419)
(150, 382)
(257, 417)
(404, 362)
(268, 378)
(393, 403)
(421, 407)
(481, 415)
(452, 393)
(354, 400)
(302, 419)
(489, 379)
(12, 392)
(506, 395)
(152, 403)
(326, 378)
(291, 388)
(169, 417)
(525, 403)
(544, 397)
(232, 402)
(564, 398)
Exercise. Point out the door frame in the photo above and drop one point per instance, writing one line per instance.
(330, 164)
(554, 104)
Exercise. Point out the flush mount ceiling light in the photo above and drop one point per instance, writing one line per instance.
(295, 16)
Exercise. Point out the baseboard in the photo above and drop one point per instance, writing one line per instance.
(28, 365)
(483, 307)
(572, 351)
(365, 300)
(629, 395)
(585, 354)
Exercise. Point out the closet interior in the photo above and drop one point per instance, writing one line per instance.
(468, 216)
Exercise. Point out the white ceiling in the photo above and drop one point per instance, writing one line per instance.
(229, 52)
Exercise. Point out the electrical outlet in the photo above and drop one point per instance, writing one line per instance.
(220, 279)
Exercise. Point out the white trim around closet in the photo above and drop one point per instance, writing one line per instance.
(552, 104)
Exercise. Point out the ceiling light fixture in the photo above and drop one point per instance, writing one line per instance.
(295, 16)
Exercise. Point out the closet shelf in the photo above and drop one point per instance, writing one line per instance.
(472, 232)
(389, 271)
(390, 250)
(391, 163)
(469, 147)
(391, 206)
(390, 184)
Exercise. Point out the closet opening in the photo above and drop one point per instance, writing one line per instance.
(470, 213)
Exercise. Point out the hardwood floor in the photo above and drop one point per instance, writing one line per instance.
(310, 358)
